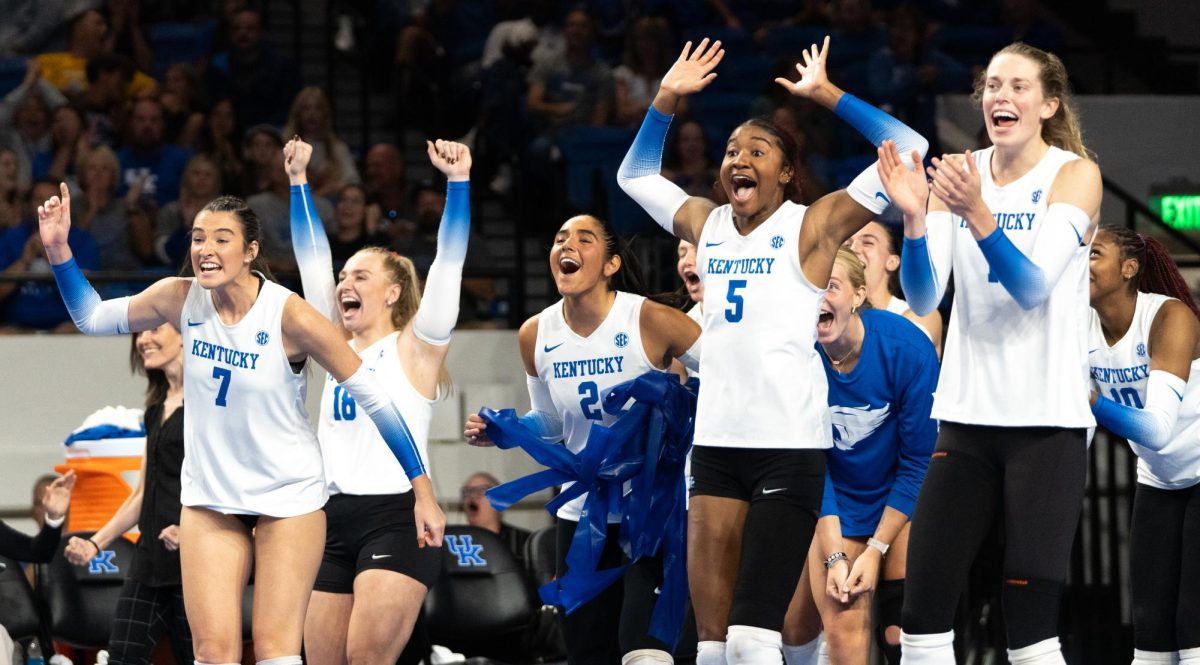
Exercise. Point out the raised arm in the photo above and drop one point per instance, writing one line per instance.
(161, 302)
(309, 242)
(1068, 223)
(438, 312)
(640, 174)
(927, 254)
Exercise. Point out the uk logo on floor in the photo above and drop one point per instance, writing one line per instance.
(103, 563)
(469, 554)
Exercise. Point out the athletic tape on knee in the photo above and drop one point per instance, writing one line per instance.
(928, 649)
(710, 652)
(646, 657)
(1030, 609)
(91, 315)
(808, 653)
(1046, 652)
(750, 645)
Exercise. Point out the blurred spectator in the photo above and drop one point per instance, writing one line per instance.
(352, 231)
(173, 228)
(183, 104)
(67, 142)
(384, 183)
(332, 165)
(121, 227)
(25, 120)
(1023, 23)
(37, 501)
(809, 165)
(108, 77)
(907, 74)
(750, 15)
(262, 149)
(259, 81)
(90, 38)
(688, 161)
(647, 57)
(480, 513)
(147, 159)
(36, 305)
(273, 208)
(540, 25)
(856, 36)
(811, 14)
(219, 139)
(54, 500)
(10, 191)
(125, 36)
(502, 127)
(29, 24)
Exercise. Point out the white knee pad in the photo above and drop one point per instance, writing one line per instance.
(930, 649)
(1046, 652)
(1189, 656)
(747, 645)
(647, 657)
(196, 662)
(710, 653)
(805, 654)
(823, 652)
(1154, 657)
(281, 660)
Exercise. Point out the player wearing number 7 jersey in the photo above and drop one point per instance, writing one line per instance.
(574, 351)
(251, 458)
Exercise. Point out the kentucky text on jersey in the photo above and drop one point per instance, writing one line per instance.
(572, 368)
(1121, 374)
(1009, 221)
(233, 357)
(750, 266)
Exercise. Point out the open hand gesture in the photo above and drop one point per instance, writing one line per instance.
(812, 72)
(906, 185)
(452, 159)
(296, 155)
(57, 495)
(958, 185)
(54, 219)
(693, 71)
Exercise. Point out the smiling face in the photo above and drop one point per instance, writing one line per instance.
(579, 258)
(201, 178)
(1014, 106)
(351, 208)
(365, 291)
(839, 306)
(754, 171)
(873, 246)
(159, 347)
(1108, 273)
(686, 267)
(219, 252)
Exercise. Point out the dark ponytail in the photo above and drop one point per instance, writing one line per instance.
(251, 228)
(1157, 271)
(629, 277)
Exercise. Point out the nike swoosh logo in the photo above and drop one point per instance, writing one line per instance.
(714, 244)
(772, 491)
(194, 323)
(1092, 351)
(881, 195)
(380, 556)
(1077, 233)
(548, 349)
(1177, 394)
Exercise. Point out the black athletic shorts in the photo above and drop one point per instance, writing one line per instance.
(753, 474)
(373, 531)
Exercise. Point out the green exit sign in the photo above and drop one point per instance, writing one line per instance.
(1180, 211)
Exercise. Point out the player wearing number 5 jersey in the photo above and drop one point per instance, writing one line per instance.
(574, 351)
(251, 458)
(762, 422)
(374, 577)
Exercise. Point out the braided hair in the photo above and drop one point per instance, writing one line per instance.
(1157, 271)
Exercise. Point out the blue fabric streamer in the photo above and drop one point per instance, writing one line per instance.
(643, 450)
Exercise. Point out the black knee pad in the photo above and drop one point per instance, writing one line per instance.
(889, 601)
(1030, 609)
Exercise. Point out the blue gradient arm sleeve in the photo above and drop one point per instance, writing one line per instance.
(925, 263)
(877, 126)
(366, 390)
(1151, 426)
(542, 418)
(918, 376)
(641, 177)
(91, 315)
(438, 312)
(829, 505)
(1030, 279)
(313, 256)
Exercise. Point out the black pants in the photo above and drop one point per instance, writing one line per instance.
(143, 614)
(1164, 568)
(1032, 478)
(617, 620)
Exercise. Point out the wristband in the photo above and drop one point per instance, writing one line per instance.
(96, 545)
(879, 545)
(834, 558)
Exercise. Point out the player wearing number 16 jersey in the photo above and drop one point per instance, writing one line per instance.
(574, 351)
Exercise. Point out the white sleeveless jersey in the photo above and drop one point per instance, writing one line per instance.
(1121, 372)
(581, 370)
(248, 444)
(357, 460)
(696, 313)
(764, 386)
(1005, 366)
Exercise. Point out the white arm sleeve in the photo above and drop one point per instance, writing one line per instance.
(542, 418)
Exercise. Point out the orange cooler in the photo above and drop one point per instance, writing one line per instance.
(106, 472)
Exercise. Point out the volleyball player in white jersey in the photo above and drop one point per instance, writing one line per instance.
(596, 336)
(876, 247)
(1145, 361)
(1013, 222)
(374, 577)
(762, 421)
(251, 457)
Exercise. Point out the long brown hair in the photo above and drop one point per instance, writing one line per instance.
(156, 379)
(1061, 130)
(402, 272)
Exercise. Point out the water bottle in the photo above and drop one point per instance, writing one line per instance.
(34, 655)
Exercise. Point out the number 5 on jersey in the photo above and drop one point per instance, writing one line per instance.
(734, 314)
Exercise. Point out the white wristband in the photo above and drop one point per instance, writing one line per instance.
(879, 545)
